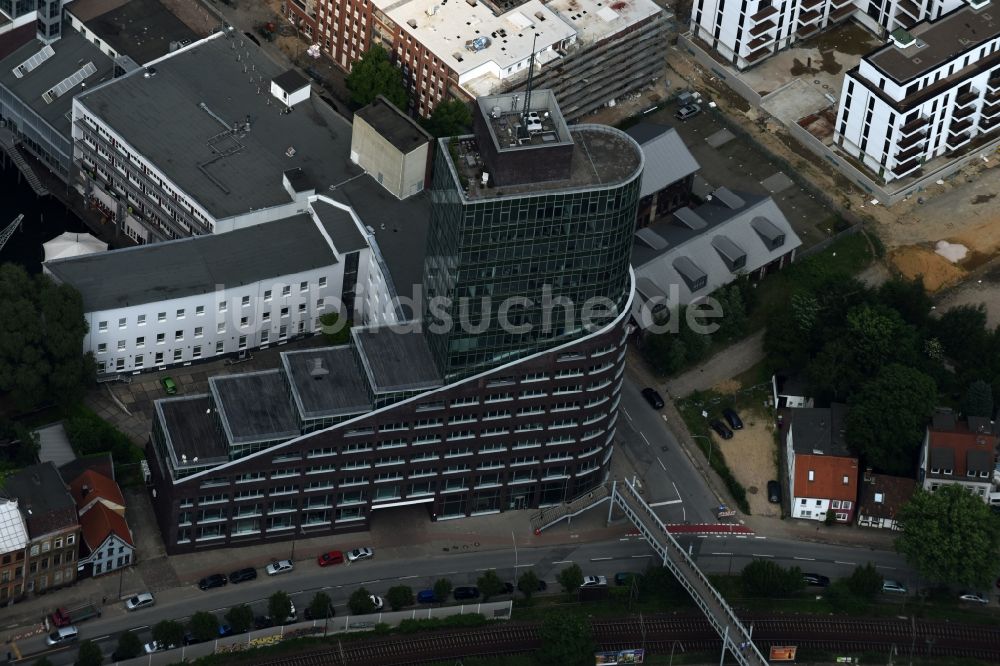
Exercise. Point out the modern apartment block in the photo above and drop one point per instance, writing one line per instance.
(745, 33)
(195, 299)
(931, 91)
(421, 412)
(588, 51)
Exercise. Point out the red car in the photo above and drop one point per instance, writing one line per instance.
(332, 557)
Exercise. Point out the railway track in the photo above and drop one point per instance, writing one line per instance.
(659, 633)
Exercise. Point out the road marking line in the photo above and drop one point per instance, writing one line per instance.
(879, 566)
(407, 577)
(661, 463)
(563, 562)
(625, 539)
(666, 502)
(760, 537)
(675, 488)
(741, 536)
(805, 559)
(599, 559)
(103, 638)
(627, 415)
(366, 582)
(517, 566)
(720, 553)
(852, 564)
(759, 555)
(643, 435)
(640, 556)
(486, 569)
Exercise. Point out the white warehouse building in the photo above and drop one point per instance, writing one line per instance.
(929, 92)
(192, 299)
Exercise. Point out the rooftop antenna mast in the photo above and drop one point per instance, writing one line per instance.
(531, 74)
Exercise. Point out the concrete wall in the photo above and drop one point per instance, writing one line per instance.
(403, 175)
(730, 78)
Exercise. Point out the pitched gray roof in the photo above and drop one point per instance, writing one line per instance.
(161, 117)
(72, 52)
(194, 265)
(726, 232)
(668, 160)
(43, 497)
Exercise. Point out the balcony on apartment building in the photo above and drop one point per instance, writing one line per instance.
(809, 4)
(963, 112)
(911, 8)
(992, 91)
(906, 168)
(993, 83)
(915, 125)
(960, 125)
(762, 28)
(966, 97)
(988, 124)
(909, 153)
(957, 139)
(842, 12)
(763, 52)
(989, 110)
(804, 31)
(764, 13)
(811, 16)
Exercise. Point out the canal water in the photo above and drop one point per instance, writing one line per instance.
(44, 219)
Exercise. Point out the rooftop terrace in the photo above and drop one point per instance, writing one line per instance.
(189, 426)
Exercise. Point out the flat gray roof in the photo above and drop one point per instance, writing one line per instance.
(668, 160)
(395, 360)
(72, 52)
(162, 117)
(340, 226)
(141, 29)
(938, 42)
(820, 430)
(190, 428)
(326, 382)
(254, 406)
(173, 269)
(393, 125)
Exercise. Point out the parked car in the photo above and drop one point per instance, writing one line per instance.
(169, 385)
(508, 588)
(594, 581)
(688, 111)
(774, 492)
(626, 577)
(360, 554)
(279, 567)
(263, 622)
(974, 597)
(141, 600)
(377, 600)
(426, 597)
(816, 580)
(225, 630)
(309, 614)
(189, 638)
(215, 580)
(330, 557)
(542, 585)
(733, 419)
(653, 398)
(157, 646)
(62, 635)
(721, 429)
(242, 575)
(466, 592)
(893, 586)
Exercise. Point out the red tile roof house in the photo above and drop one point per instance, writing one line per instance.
(880, 498)
(822, 472)
(961, 452)
(107, 540)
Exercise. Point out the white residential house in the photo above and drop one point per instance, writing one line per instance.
(822, 471)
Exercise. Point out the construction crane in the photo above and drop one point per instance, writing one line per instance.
(9, 231)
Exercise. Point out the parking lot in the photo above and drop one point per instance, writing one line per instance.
(730, 160)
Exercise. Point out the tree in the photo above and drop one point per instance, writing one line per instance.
(399, 596)
(734, 315)
(570, 578)
(279, 607)
(877, 334)
(489, 584)
(89, 654)
(240, 618)
(886, 421)
(375, 75)
(204, 626)
(44, 661)
(129, 646)
(528, 583)
(566, 640)
(360, 602)
(442, 589)
(950, 536)
(865, 581)
(451, 117)
(41, 338)
(978, 400)
(907, 297)
(658, 583)
(168, 632)
(336, 331)
(765, 578)
(321, 607)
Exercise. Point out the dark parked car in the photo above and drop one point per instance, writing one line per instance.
(242, 575)
(467, 592)
(215, 580)
(816, 580)
(225, 630)
(721, 428)
(626, 578)
(733, 419)
(774, 492)
(687, 111)
(508, 588)
(263, 622)
(309, 613)
(653, 398)
(189, 639)
(426, 597)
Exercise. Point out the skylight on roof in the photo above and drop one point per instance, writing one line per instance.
(69, 82)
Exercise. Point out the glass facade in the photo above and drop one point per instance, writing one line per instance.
(536, 258)
(15, 8)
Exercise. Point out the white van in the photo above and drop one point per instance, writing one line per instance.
(62, 635)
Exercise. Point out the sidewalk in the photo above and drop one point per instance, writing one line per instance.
(725, 364)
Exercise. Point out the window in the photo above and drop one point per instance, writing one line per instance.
(812, 475)
(302, 307)
(196, 351)
(264, 335)
(178, 354)
(200, 310)
(283, 331)
(160, 338)
(267, 295)
(158, 359)
(322, 281)
(244, 321)
(140, 342)
(286, 290)
(198, 330)
(121, 345)
(847, 480)
(284, 312)
(319, 303)
(123, 322)
(102, 326)
(246, 301)
(303, 286)
(222, 306)
(180, 313)
(243, 342)
(162, 316)
(141, 320)
(179, 335)
(220, 347)
(266, 316)
(221, 328)
(102, 347)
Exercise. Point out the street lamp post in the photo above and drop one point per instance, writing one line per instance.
(710, 446)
